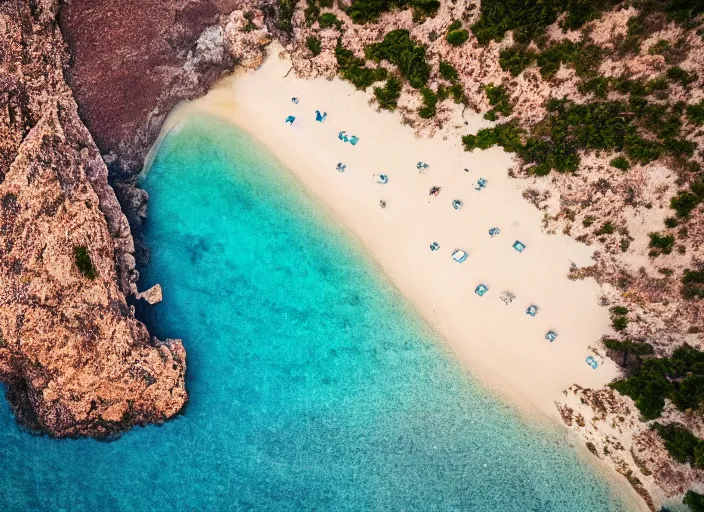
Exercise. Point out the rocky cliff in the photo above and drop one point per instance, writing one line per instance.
(73, 357)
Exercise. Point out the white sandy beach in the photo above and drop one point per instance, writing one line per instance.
(504, 345)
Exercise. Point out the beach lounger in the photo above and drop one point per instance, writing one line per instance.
(507, 297)
(459, 255)
(481, 183)
(550, 336)
(493, 232)
(421, 165)
(353, 140)
(294, 100)
(592, 362)
(434, 246)
(320, 117)
(532, 310)
(457, 204)
(340, 167)
(342, 136)
(481, 290)
(290, 119)
(382, 179)
(519, 246)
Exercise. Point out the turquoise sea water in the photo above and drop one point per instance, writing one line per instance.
(312, 384)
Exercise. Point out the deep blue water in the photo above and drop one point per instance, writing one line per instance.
(313, 385)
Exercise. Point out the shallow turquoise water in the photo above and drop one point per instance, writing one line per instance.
(312, 384)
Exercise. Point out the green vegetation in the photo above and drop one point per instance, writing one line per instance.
(399, 49)
(84, 263)
(621, 163)
(388, 95)
(607, 228)
(681, 444)
(353, 69)
(639, 349)
(365, 11)
(598, 86)
(677, 74)
(529, 19)
(695, 113)
(515, 59)
(619, 321)
(671, 222)
(693, 284)
(284, 14)
(457, 37)
(619, 310)
(313, 44)
(498, 98)
(249, 17)
(588, 221)
(694, 501)
(679, 378)
(328, 20)
(661, 244)
(447, 71)
(506, 135)
(661, 47)
(430, 100)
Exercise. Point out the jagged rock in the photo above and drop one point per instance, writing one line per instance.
(153, 295)
(75, 360)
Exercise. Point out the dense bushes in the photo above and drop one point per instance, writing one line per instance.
(639, 349)
(430, 100)
(365, 11)
(660, 244)
(620, 163)
(679, 378)
(328, 20)
(693, 284)
(284, 14)
(84, 263)
(584, 58)
(457, 37)
(506, 135)
(398, 48)
(447, 71)
(388, 95)
(681, 444)
(313, 44)
(694, 501)
(515, 59)
(695, 113)
(354, 69)
(498, 98)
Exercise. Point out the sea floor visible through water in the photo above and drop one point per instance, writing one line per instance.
(313, 384)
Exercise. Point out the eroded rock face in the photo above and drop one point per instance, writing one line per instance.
(74, 358)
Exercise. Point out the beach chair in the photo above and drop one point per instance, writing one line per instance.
(459, 255)
(353, 140)
(493, 232)
(421, 165)
(532, 310)
(294, 100)
(320, 117)
(481, 183)
(457, 204)
(481, 290)
(342, 136)
(340, 167)
(592, 362)
(550, 336)
(382, 179)
(290, 119)
(519, 246)
(507, 297)
(434, 246)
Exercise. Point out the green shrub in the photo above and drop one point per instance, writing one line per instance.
(671, 222)
(598, 86)
(365, 11)
(694, 501)
(354, 69)
(693, 284)
(457, 92)
(284, 14)
(619, 310)
(620, 163)
(681, 444)
(684, 202)
(639, 349)
(659, 48)
(663, 244)
(430, 100)
(607, 228)
(399, 49)
(457, 37)
(447, 71)
(249, 17)
(84, 263)
(456, 24)
(328, 20)
(695, 113)
(619, 323)
(388, 95)
(313, 44)
(679, 75)
(506, 135)
(498, 98)
(515, 59)
(588, 221)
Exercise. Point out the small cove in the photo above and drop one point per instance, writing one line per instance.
(313, 385)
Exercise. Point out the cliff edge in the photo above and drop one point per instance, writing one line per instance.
(74, 359)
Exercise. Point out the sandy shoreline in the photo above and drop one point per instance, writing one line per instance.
(504, 346)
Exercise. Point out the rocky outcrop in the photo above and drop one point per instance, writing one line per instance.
(74, 358)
